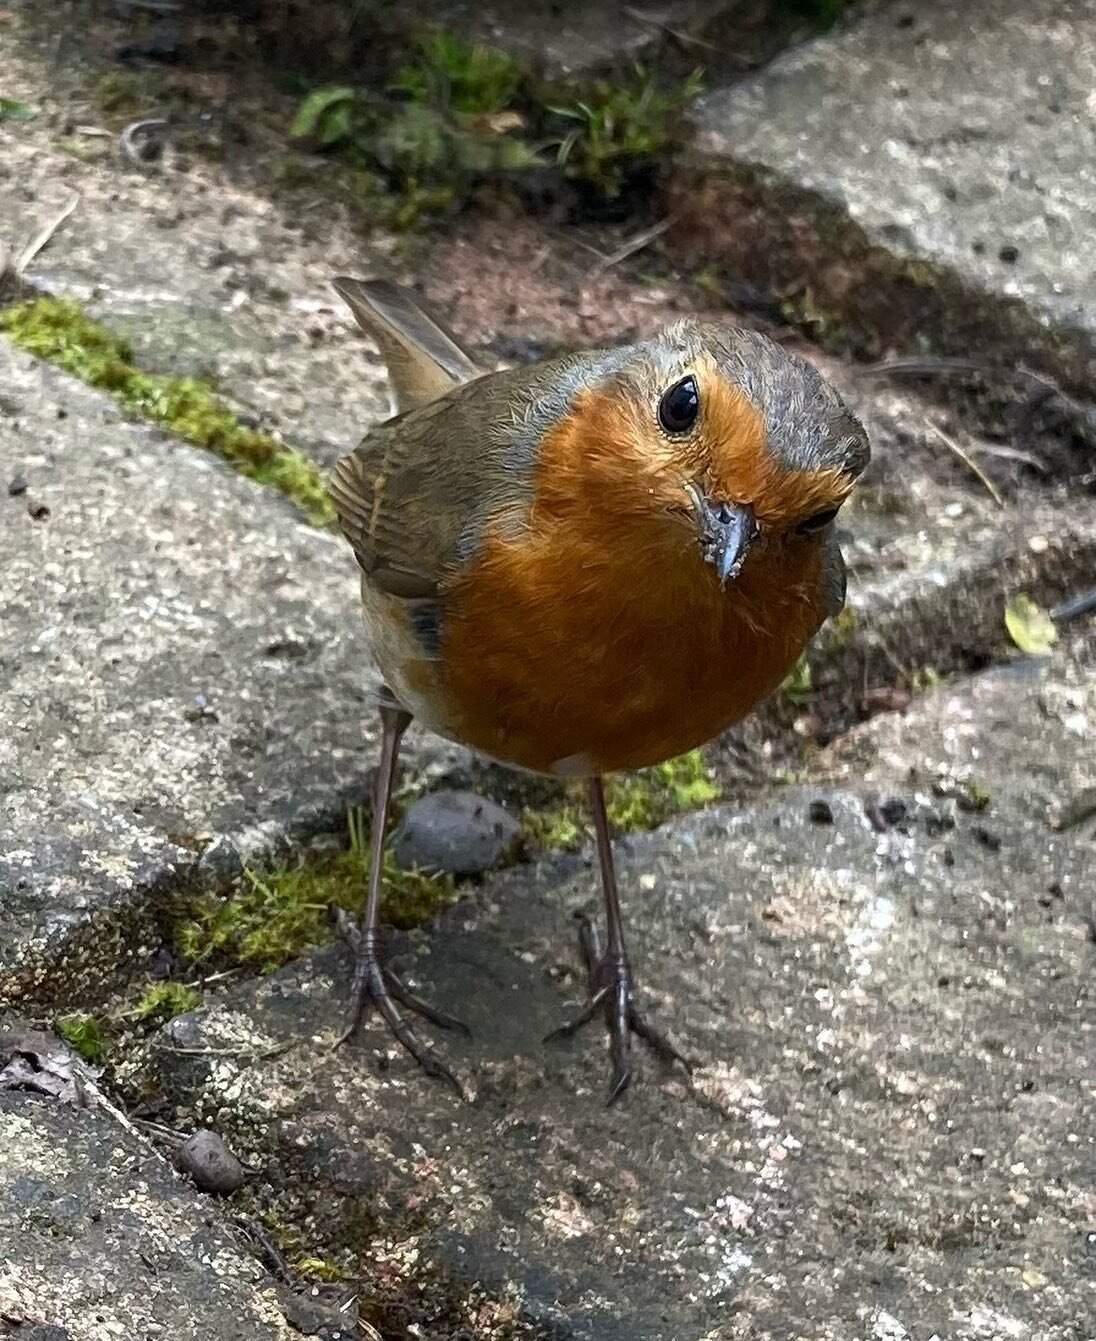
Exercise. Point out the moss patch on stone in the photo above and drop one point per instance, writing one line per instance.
(633, 802)
(161, 1001)
(271, 917)
(59, 330)
(798, 684)
(145, 1006)
(84, 1033)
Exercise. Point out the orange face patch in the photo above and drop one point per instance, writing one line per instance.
(600, 632)
(741, 469)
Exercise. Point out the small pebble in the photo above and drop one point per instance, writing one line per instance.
(820, 812)
(210, 1164)
(17, 485)
(458, 832)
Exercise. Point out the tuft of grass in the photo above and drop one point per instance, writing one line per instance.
(274, 917)
(59, 330)
(84, 1033)
(470, 78)
(461, 113)
(620, 124)
(638, 801)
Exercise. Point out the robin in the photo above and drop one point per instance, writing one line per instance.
(591, 564)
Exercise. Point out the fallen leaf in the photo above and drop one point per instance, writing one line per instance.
(1030, 627)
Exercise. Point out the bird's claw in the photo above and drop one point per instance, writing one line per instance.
(376, 983)
(609, 989)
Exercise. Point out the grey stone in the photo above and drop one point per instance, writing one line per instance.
(956, 139)
(210, 1164)
(890, 1127)
(99, 1238)
(200, 272)
(182, 687)
(458, 832)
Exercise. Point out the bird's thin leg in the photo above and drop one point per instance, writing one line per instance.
(372, 980)
(609, 974)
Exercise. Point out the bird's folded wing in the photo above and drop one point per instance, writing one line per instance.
(424, 358)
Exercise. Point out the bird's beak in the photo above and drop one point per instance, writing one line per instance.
(726, 531)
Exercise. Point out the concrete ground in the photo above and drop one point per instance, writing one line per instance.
(881, 967)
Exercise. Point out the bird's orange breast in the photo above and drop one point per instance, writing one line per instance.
(596, 641)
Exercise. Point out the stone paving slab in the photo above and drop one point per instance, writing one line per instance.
(100, 1239)
(183, 679)
(198, 270)
(892, 1125)
(956, 139)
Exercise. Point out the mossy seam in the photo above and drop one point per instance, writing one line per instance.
(60, 331)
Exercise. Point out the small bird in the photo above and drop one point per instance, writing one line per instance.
(587, 565)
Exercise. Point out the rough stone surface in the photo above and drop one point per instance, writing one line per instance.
(961, 135)
(891, 1125)
(198, 270)
(99, 1238)
(455, 831)
(183, 678)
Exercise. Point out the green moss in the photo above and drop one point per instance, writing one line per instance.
(798, 685)
(460, 114)
(641, 800)
(318, 1268)
(840, 629)
(974, 797)
(559, 827)
(471, 78)
(84, 1033)
(162, 1001)
(613, 125)
(271, 918)
(59, 330)
(925, 679)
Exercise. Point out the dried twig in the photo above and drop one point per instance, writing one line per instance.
(686, 39)
(1011, 454)
(253, 1055)
(16, 266)
(629, 248)
(1075, 607)
(159, 1129)
(268, 1250)
(972, 465)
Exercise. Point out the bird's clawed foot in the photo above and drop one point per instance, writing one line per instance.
(609, 990)
(375, 982)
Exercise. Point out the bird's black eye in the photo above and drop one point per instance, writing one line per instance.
(679, 407)
(818, 522)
